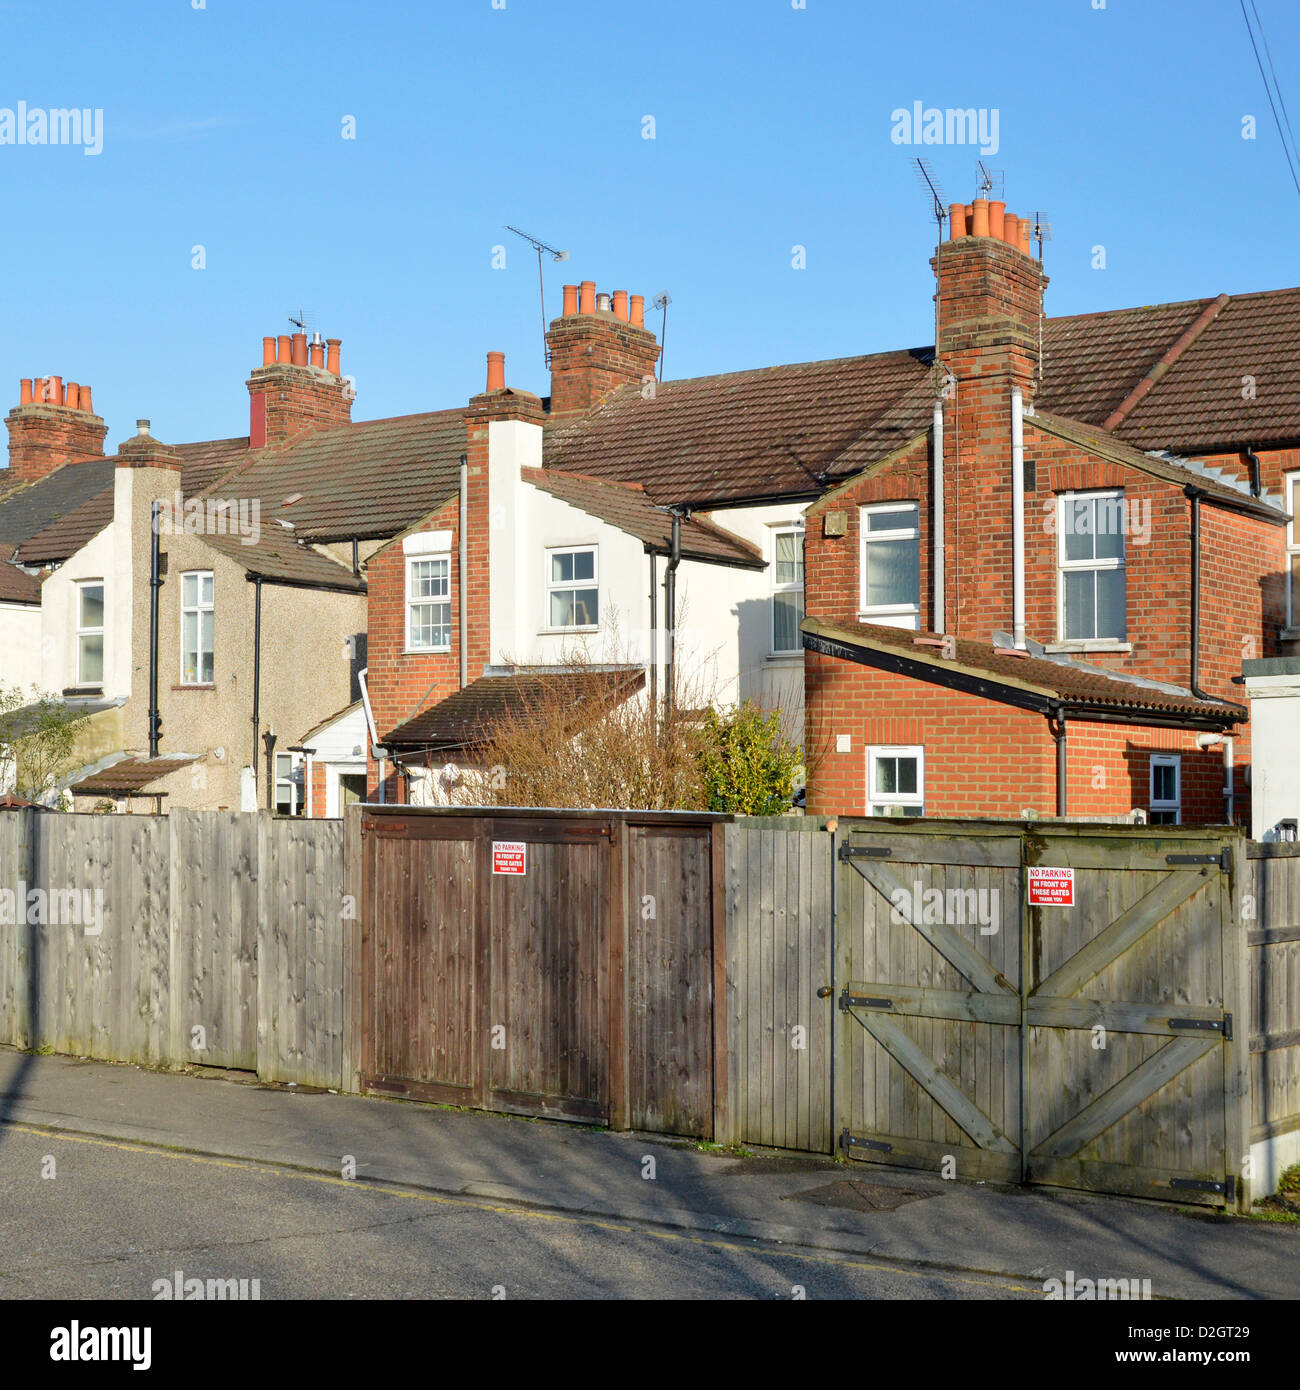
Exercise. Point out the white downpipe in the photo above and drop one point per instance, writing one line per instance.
(938, 522)
(1018, 517)
(1228, 789)
(370, 725)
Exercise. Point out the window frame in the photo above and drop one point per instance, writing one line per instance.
(1091, 566)
(551, 586)
(888, 614)
(437, 557)
(199, 608)
(1291, 500)
(1154, 807)
(81, 632)
(297, 806)
(906, 800)
(790, 528)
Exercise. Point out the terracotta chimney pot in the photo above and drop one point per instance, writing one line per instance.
(980, 217)
(85, 401)
(636, 310)
(282, 348)
(956, 220)
(268, 351)
(299, 352)
(317, 354)
(332, 355)
(73, 399)
(1011, 230)
(996, 213)
(587, 297)
(1024, 236)
(570, 300)
(55, 390)
(496, 374)
(25, 391)
(620, 305)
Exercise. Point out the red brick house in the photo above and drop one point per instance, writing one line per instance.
(1037, 601)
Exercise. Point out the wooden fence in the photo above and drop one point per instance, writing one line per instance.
(235, 941)
(201, 938)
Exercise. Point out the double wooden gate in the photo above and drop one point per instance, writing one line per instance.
(555, 964)
(1095, 1043)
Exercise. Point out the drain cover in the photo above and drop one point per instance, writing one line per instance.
(856, 1195)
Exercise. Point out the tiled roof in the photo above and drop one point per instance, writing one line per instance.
(462, 718)
(17, 586)
(773, 431)
(203, 463)
(31, 508)
(279, 557)
(66, 535)
(128, 776)
(776, 431)
(1079, 685)
(368, 480)
(626, 506)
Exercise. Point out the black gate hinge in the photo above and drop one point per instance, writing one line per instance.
(1223, 859)
(851, 1141)
(849, 852)
(862, 1001)
(1226, 1188)
(1206, 1025)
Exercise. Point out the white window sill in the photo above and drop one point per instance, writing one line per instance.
(785, 658)
(426, 651)
(908, 621)
(564, 631)
(1100, 644)
(1289, 634)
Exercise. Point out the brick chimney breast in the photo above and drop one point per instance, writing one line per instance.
(51, 425)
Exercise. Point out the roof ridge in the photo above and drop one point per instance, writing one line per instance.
(1166, 360)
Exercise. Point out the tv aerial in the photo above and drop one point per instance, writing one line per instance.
(939, 204)
(1040, 231)
(992, 183)
(541, 248)
(661, 302)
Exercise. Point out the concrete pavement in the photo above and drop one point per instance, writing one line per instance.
(911, 1218)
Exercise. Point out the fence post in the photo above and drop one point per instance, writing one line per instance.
(350, 927)
(1236, 1001)
(721, 1086)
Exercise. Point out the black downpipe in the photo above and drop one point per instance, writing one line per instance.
(670, 616)
(1193, 684)
(356, 568)
(257, 680)
(1062, 761)
(155, 583)
(1256, 484)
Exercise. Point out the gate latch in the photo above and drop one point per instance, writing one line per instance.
(862, 1001)
(1206, 1025)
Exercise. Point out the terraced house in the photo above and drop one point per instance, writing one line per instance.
(1015, 572)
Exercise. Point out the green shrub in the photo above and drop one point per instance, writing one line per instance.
(749, 766)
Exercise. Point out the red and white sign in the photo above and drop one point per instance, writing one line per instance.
(1050, 887)
(509, 857)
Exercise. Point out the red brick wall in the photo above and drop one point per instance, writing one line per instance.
(987, 759)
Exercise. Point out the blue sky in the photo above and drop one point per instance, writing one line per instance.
(222, 128)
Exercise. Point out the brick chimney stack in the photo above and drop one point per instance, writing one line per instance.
(52, 424)
(297, 388)
(598, 344)
(990, 296)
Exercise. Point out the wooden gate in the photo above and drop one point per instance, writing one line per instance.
(1073, 1027)
(556, 964)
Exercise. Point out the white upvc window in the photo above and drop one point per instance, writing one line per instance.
(1090, 555)
(1291, 484)
(428, 603)
(896, 780)
(1166, 802)
(197, 594)
(787, 588)
(572, 587)
(90, 632)
(290, 785)
(890, 564)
